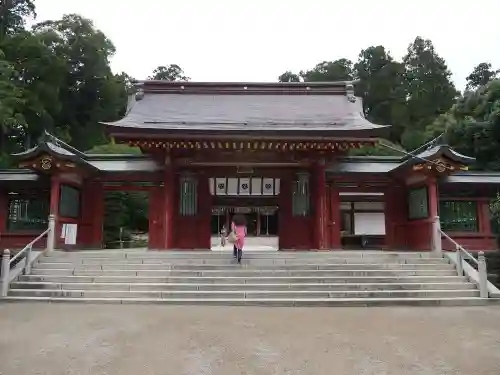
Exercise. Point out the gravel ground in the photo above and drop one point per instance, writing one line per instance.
(157, 340)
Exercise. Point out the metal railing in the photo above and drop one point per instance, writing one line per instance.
(24, 258)
(462, 255)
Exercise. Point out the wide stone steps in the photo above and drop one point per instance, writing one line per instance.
(242, 273)
(249, 257)
(239, 287)
(255, 294)
(244, 280)
(269, 302)
(264, 278)
(230, 267)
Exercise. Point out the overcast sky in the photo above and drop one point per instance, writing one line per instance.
(257, 40)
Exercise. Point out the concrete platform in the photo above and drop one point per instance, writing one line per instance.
(62, 339)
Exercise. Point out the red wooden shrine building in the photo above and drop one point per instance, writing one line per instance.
(274, 151)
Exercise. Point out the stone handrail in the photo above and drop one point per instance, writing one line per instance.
(8, 273)
(461, 255)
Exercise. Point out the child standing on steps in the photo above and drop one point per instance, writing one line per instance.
(239, 227)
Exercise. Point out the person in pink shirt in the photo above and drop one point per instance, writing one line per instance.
(239, 227)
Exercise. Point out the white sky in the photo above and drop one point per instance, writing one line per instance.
(257, 40)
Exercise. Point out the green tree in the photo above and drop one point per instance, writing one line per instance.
(114, 148)
(384, 148)
(430, 90)
(481, 75)
(288, 76)
(330, 71)
(382, 87)
(39, 77)
(13, 14)
(91, 93)
(171, 72)
(477, 129)
(12, 121)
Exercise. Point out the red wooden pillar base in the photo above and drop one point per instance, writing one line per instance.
(155, 216)
(320, 213)
(433, 195)
(169, 206)
(335, 219)
(285, 235)
(390, 219)
(55, 191)
(4, 211)
(204, 212)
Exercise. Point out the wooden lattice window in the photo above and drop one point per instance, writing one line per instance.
(188, 196)
(301, 196)
(458, 216)
(28, 214)
(418, 203)
(69, 202)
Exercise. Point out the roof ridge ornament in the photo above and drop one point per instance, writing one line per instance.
(60, 143)
(437, 141)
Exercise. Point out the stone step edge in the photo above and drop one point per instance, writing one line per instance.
(251, 266)
(227, 254)
(233, 285)
(445, 291)
(128, 277)
(255, 256)
(448, 269)
(270, 302)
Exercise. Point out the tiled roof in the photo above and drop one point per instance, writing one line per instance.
(262, 110)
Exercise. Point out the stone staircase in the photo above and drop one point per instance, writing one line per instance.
(265, 278)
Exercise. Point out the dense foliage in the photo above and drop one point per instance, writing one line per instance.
(56, 76)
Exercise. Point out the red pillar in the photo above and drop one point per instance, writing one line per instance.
(169, 208)
(320, 216)
(155, 213)
(96, 196)
(204, 212)
(484, 217)
(335, 219)
(433, 197)
(4, 211)
(55, 191)
(285, 235)
(389, 213)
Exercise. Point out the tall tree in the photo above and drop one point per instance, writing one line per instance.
(289, 76)
(481, 75)
(13, 14)
(430, 89)
(92, 93)
(381, 85)
(171, 72)
(39, 77)
(12, 121)
(477, 129)
(330, 71)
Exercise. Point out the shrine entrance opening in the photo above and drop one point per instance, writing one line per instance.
(255, 197)
(126, 217)
(261, 221)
